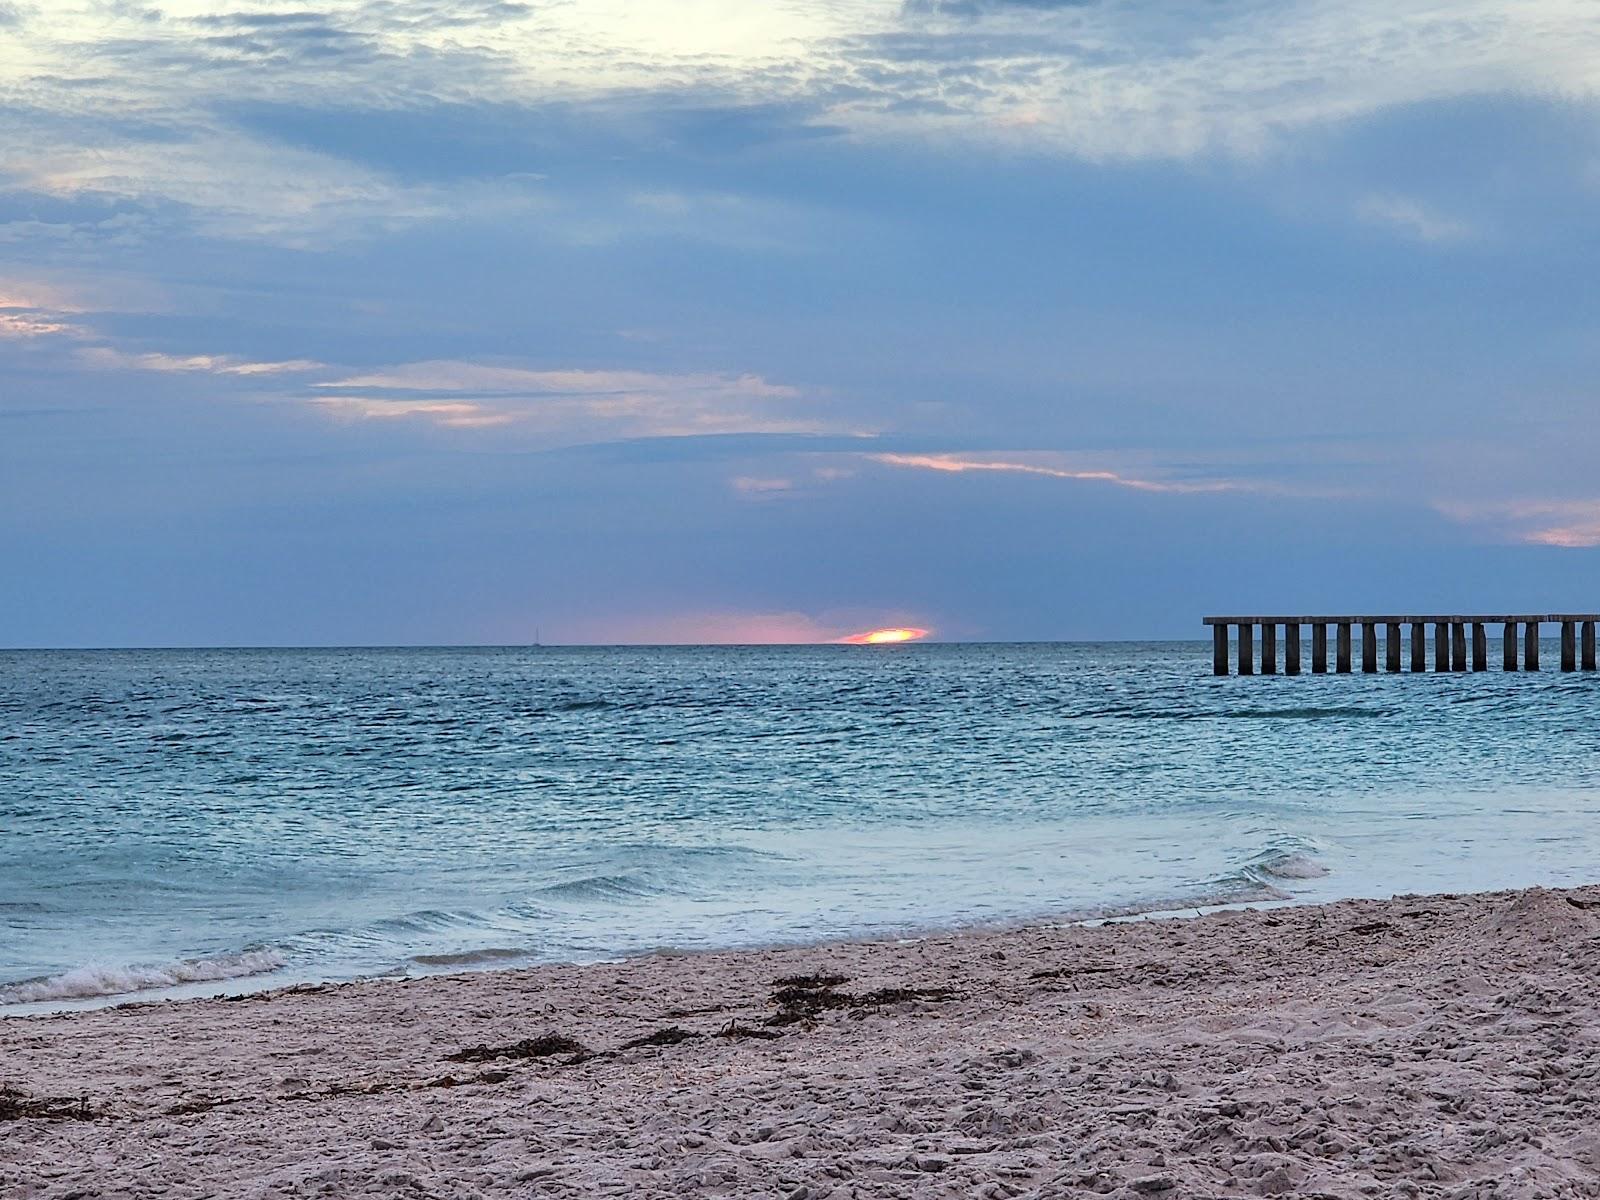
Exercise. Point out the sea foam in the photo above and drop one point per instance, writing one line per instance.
(87, 982)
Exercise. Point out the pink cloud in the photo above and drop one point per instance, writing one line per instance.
(580, 404)
(955, 465)
(1568, 524)
(1570, 537)
(23, 324)
(723, 629)
(453, 414)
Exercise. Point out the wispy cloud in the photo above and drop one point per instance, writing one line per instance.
(23, 324)
(1568, 524)
(109, 358)
(729, 628)
(457, 376)
(761, 487)
(1413, 219)
(27, 314)
(956, 464)
(575, 404)
(446, 413)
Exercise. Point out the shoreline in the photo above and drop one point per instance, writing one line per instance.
(1422, 1045)
(286, 976)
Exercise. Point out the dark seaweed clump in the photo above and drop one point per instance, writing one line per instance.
(738, 1030)
(669, 1036)
(548, 1045)
(805, 997)
(19, 1106)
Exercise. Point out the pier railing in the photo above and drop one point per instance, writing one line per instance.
(1452, 635)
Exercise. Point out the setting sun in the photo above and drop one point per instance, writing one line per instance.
(879, 637)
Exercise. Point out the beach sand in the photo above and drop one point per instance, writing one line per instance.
(1422, 1046)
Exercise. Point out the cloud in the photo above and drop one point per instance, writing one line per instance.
(1568, 524)
(27, 312)
(955, 465)
(21, 324)
(446, 413)
(108, 358)
(758, 487)
(1413, 219)
(457, 376)
(724, 628)
(576, 404)
(376, 113)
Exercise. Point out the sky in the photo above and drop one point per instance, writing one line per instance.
(474, 321)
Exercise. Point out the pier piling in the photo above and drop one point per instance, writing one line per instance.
(1450, 642)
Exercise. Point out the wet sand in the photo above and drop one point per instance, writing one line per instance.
(1423, 1046)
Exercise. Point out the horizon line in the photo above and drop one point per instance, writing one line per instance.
(131, 647)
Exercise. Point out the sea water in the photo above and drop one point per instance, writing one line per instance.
(178, 822)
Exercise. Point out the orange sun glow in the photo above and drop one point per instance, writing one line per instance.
(879, 637)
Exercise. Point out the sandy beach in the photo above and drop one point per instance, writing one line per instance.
(1422, 1046)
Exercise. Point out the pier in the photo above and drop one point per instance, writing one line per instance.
(1460, 643)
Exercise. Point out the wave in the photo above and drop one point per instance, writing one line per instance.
(87, 982)
(1302, 713)
(1267, 874)
(1289, 864)
(1133, 712)
(467, 958)
(602, 887)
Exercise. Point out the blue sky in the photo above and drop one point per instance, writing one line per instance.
(412, 321)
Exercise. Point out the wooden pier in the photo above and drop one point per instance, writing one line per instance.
(1460, 643)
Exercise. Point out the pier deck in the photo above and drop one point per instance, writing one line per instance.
(1451, 641)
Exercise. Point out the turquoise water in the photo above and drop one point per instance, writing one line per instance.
(174, 822)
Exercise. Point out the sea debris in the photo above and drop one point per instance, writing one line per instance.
(816, 980)
(738, 1030)
(16, 1105)
(670, 1036)
(1068, 972)
(805, 997)
(547, 1045)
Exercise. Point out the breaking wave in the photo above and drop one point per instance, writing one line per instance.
(1290, 864)
(471, 958)
(87, 982)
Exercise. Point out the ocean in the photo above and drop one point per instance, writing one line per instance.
(184, 822)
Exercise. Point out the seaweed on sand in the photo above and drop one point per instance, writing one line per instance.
(804, 998)
(19, 1106)
(669, 1036)
(547, 1045)
(738, 1030)
(815, 981)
